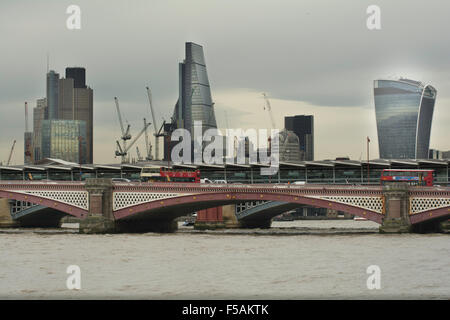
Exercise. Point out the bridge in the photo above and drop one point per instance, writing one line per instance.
(103, 206)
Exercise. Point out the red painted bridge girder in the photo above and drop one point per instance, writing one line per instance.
(235, 197)
(209, 195)
(10, 190)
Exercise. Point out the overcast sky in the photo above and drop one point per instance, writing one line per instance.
(311, 57)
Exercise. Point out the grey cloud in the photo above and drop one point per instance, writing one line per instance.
(319, 52)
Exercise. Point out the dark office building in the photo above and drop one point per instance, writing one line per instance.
(303, 127)
(78, 75)
(52, 94)
(77, 104)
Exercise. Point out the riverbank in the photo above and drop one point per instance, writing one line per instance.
(297, 227)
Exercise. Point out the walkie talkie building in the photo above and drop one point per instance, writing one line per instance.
(404, 111)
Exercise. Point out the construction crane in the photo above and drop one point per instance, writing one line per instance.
(26, 116)
(138, 154)
(148, 145)
(155, 126)
(122, 152)
(10, 153)
(269, 109)
(125, 133)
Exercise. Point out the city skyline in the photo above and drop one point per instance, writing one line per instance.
(300, 74)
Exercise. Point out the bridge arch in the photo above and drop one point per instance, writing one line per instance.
(432, 214)
(174, 207)
(53, 204)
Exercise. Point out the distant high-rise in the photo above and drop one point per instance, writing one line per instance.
(303, 127)
(52, 94)
(289, 146)
(194, 95)
(83, 99)
(39, 115)
(78, 75)
(68, 99)
(64, 139)
(404, 111)
(194, 99)
(77, 104)
(66, 107)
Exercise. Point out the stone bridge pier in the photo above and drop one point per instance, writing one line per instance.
(397, 219)
(101, 218)
(396, 206)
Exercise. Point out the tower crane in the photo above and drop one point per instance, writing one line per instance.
(138, 154)
(125, 133)
(26, 117)
(122, 152)
(272, 120)
(269, 109)
(148, 144)
(155, 126)
(10, 153)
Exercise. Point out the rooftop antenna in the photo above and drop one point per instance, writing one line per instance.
(48, 58)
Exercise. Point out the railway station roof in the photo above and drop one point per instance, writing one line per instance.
(57, 164)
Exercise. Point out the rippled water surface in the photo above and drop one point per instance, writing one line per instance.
(222, 266)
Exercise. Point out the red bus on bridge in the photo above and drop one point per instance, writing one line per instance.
(164, 174)
(413, 177)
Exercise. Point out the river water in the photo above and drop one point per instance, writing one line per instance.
(188, 265)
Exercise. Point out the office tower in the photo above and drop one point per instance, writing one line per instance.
(303, 127)
(289, 146)
(194, 96)
(64, 139)
(52, 94)
(83, 99)
(70, 103)
(78, 75)
(404, 111)
(39, 115)
(76, 103)
(194, 99)
(66, 107)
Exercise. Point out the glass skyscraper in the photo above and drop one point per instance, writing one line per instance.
(194, 100)
(404, 111)
(64, 139)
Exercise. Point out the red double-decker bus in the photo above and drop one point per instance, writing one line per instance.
(175, 175)
(163, 174)
(413, 177)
